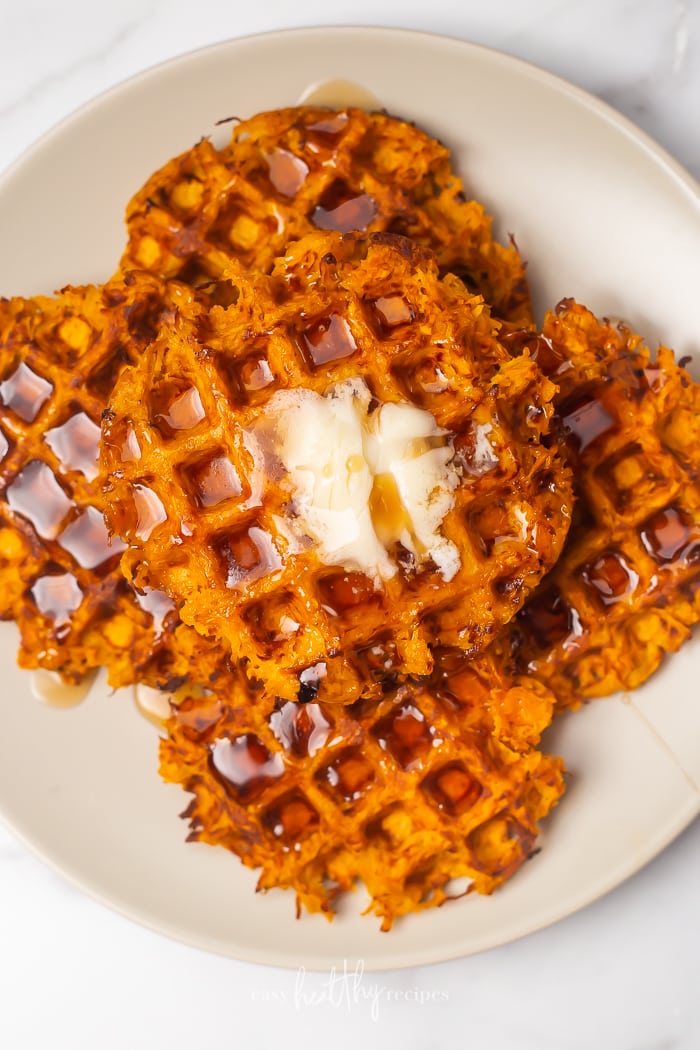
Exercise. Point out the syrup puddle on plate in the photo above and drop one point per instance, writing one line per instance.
(153, 704)
(156, 705)
(336, 94)
(332, 94)
(50, 689)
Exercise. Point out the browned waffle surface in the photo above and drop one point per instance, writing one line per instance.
(290, 172)
(59, 569)
(627, 588)
(209, 525)
(431, 784)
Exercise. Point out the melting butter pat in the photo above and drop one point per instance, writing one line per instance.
(364, 477)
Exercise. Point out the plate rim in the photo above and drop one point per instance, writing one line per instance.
(591, 101)
(432, 953)
(429, 955)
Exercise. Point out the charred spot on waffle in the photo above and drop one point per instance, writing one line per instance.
(310, 683)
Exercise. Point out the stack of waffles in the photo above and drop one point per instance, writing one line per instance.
(340, 716)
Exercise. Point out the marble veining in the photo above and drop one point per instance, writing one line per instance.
(622, 974)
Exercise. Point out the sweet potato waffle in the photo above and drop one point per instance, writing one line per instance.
(429, 770)
(59, 569)
(627, 587)
(211, 526)
(294, 171)
(436, 782)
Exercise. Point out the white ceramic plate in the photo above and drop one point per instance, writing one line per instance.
(603, 214)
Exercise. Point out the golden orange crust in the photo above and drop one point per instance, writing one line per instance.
(294, 171)
(230, 566)
(403, 795)
(59, 570)
(320, 247)
(627, 587)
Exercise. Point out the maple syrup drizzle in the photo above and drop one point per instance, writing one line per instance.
(341, 208)
(176, 406)
(75, 444)
(213, 481)
(88, 541)
(550, 620)
(671, 536)
(290, 818)
(153, 704)
(349, 775)
(286, 172)
(159, 606)
(347, 590)
(329, 339)
(25, 393)
(585, 418)
(246, 556)
(453, 788)
(302, 729)
(390, 312)
(57, 596)
(50, 689)
(405, 733)
(337, 94)
(245, 765)
(254, 373)
(38, 497)
(611, 577)
(390, 518)
(158, 705)
(149, 510)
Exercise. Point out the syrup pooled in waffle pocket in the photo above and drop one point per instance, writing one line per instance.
(626, 589)
(300, 791)
(437, 783)
(60, 357)
(338, 470)
(295, 171)
(326, 451)
(59, 569)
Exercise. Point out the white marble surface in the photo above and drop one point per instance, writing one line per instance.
(621, 975)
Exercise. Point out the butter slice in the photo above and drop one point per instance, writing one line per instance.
(360, 481)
